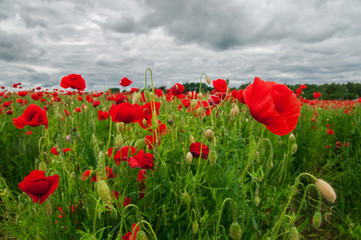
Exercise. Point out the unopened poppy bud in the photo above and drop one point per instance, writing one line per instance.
(42, 166)
(200, 111)
(141, 235)
(191, 139)
(294, 148)
(147, 95)
(236, 109)
(189, 158)
(136, 98)
(186, 199)
(257, 200)
(194, 103)
(294, 234)
(119, 142)
(139, 144)
(195, 227)
(144, 122)
(67, 138)
(200, 95)
(120, 127)
(47, 207)
(326, 190)
(212, 157)
(103, 191)
(231, 113)
(209, 81)
(291, 137)
(316, 220)
(235, 231)
(209, 134)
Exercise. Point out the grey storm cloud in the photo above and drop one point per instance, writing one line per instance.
(312, 41)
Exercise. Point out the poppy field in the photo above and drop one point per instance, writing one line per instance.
(256, 163)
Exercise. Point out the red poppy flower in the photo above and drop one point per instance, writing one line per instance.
(141, 175)
(126, 112)
(85, 175)
(54, 151)
(128, 235)
(316, 95)
(159, 92)
(220, 85)
(74, 81)
(177, 89)
(240, 96)
(125, 82)
(66, 150)
(126, 201)
(38, 187)
(274, 105)
(303, 86)
(102, 115)
(22, 93)
(196, 149)
(29, 132)
(330, 131)
(32, 116)
(141, 160)
(122, 154)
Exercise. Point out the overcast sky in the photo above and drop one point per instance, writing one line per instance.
(313, 41)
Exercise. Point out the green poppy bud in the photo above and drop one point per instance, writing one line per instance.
(235, 231)
(119, 141)
(316, 221)
(212, 157)
(195, 227)
(294, 234)
(189, 158)
(103, 191)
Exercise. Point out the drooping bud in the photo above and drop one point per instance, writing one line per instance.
(291, 137)
(209, 134)
(47, 207)
(42, 166)
(136, 98)
(119, 141)
(195, 227)
(326, 190)
(139, 144)
(147, 95)
(316, 220)
(212, 157)
(209, 81)
(294, 233)
(141, 235)
(103, 191)
(257, 200)
(294, 148)
(189, 158)
(145, 123)
(191, 139)
(194, 103)
(235, 231)
(186, 199)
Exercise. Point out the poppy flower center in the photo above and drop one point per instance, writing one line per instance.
(39, 187)
(31, 115)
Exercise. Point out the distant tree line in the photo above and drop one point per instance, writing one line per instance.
(331, 91)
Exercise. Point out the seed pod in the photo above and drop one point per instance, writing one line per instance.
(294, 148)
(212, 157)
(119, 141)
(316, 220)
(235, 231)
(294, 234)
(326, 190)
(189, 158)
(209, 134)
(195, 227)
(103, 191)
(291, 137)
(136, 98)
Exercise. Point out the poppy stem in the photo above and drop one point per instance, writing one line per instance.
(278, 223)
(200, 82)
(220, 213)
